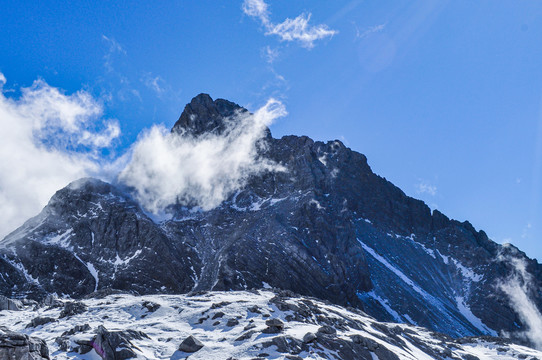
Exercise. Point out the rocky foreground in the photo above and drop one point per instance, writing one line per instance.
(259, 324)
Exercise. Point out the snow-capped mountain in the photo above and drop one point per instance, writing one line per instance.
(326, 227)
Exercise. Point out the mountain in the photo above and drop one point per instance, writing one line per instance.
(326, 226)
(241, 325)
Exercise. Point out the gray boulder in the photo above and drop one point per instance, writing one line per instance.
(190, 345)
(10, 304)
(72, 308)
(116, 345)
(39, 320)
(21, 347)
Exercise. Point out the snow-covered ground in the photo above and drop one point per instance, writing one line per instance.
(206, 316)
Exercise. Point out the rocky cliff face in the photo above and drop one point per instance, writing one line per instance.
(327, 227)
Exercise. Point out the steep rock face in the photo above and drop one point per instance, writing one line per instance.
(325, 226)
(92, 236)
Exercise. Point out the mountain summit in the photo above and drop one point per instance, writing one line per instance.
(203, 115)
(326, 227)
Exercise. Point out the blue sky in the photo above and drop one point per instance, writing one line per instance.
(444, 97)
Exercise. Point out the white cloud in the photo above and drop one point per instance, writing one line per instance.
(48, 139)
(371, 30)
(425, 188)
(167, 168)
(155, 83)
(517, 288)
(114, 47)
(297, 29)
(270, 54)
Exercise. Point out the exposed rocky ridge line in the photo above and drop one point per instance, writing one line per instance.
(326, 227)
(234, 325)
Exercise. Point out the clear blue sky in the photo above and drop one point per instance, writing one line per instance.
(444, 97)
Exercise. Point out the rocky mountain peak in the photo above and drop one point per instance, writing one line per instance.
(203, 115)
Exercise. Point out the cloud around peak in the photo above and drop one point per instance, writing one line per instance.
(51, 138)
(297, 29)
(167, 168)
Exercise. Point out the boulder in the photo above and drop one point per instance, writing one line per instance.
(309, 337)
(274, 326)
(72, 308)
(21, 347)
(39, 320)
(10, 304)
(190, 345)
(116, 345)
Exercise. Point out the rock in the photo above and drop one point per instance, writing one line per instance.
(72, 308)
(309, 337)
(10, 304)
(18, 346)
(51, 300)
(327, 330)
(274, 326)
(63, 343)
(37, 321)
(150, 306)
(190, 345)
(217, 315)
(254, 309)
(76, 329)
(116, 345)
(245, 336)
(286, 344)
(249, 326)
(232, 322)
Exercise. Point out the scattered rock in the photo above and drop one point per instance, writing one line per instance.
(52, 300)
(249, 326)
(245, 336)
(254, 309)
(232, 322)
(274, 326)
(151, 306)
(76, 329)
(63, 343)
(220, 304)
(72, 308)
(190, 345)
(286, 344)
(37, 321)
(218, 315)
(309, 337)
(327, 330)
(116, 345)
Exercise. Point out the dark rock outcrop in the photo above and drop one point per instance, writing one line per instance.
(191, 345)
(20, 346)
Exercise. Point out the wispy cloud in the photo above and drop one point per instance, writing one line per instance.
(270, 54)
(114, 48)
(361, 34)
(154, 83)
(49, 138)
(424, 187)
(518, 286)
(297, 29)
